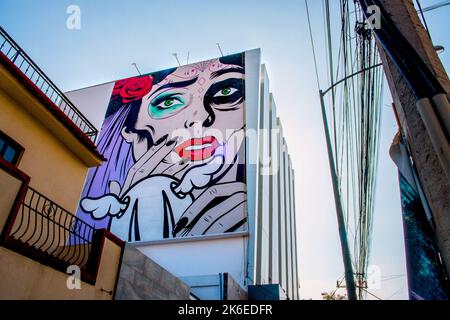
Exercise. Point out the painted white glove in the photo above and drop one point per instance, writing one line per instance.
(104, 206)
(199, 177)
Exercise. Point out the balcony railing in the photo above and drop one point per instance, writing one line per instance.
(46, 232)
(22, 61)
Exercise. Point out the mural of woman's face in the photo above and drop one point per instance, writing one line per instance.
(186, 131)
(201, 105)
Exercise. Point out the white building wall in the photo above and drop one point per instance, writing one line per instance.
(287, 221)
(201, 256)
(274, 194)
(295, 244)
(252, 99)
(282, 211)
(264, 181)
(92, 102)
(291, 231)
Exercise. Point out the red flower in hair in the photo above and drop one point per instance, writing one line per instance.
(133, 88)
(118, 87)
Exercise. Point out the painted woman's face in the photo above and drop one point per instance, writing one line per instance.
(201, 105)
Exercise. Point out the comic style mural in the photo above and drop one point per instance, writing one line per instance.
(426, 275)
(175, 147)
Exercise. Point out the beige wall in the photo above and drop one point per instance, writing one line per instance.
(57, 163)
(9, 187)
(54, 170)
(25, 279)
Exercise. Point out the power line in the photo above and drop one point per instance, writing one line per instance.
(423, 17)
(393, 278)
(372, 294)
(354, 119)
(312, 45)
(395, 293)
(436, 6)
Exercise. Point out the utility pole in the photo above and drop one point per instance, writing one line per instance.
(423, 113)
(349, 279)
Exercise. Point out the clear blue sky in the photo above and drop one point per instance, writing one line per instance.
(116, 33)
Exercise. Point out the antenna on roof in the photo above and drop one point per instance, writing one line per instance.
(135, 65)
(218, 46)
(176, 57)
(187, 60)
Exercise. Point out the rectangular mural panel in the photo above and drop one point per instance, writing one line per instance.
(175, 147)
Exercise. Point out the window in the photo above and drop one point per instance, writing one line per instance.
(10, 151)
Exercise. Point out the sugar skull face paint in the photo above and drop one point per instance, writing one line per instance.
(196, 100)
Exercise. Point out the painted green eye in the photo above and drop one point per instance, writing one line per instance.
(169, 103)
(226, 91)
(165, 105)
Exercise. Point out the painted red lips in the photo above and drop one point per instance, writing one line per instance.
(198, 149)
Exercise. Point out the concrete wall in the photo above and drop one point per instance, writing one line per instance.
(199, 256)
(431, 174)
(141, 278)
(235, 291)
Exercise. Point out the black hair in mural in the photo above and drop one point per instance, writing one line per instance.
(130, 123)
(236, 59)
